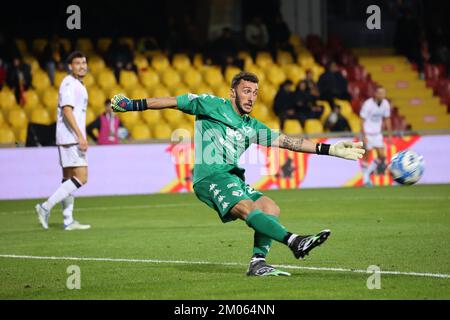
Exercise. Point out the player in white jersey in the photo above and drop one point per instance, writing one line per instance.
(374, 112)
(71, 142)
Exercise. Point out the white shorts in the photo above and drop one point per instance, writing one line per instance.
(374, 141)
(72, 156)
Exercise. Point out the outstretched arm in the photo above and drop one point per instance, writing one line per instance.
(120, 103)
(344, 149)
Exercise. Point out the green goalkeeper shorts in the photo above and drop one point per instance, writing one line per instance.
(222, 191)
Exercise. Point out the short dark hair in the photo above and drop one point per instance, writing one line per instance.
(74, 55)
(243, 75)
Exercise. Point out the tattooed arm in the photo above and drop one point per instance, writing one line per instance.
(295, 144)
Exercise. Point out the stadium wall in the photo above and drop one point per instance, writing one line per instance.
(157, 168)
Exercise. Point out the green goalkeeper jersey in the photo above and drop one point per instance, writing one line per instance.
(221, 134)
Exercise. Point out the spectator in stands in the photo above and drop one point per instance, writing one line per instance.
(284, 104)
(305, 102)
(310, 84)
(108, 125)
(2, 73)
(19, 78)
(336, 122)
(398, 122)
(332, 84)
(120, 57)
(53, 54)
(279, 34)
(224, 51)
(256, 36)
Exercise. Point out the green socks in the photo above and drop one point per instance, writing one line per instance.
(267, 227)
(262, 243)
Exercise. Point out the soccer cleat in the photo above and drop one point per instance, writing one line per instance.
(301, 246)
(260, 268)
(42, 215)
(75, 225)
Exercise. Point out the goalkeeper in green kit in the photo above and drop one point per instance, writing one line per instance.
(223, 131)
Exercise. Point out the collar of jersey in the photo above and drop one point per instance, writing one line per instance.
(244, 118)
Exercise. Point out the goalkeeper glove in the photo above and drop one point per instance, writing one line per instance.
(120, 103)
(344, 149)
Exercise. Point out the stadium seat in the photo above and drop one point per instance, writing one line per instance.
(284, 57)
(213, 77)
(39, 45)
(326, 109)
(22, 135)
(129, 119)
(32, 61)
(275, 75)
(263, 60)
(267, 93)
(31, 98)
(198, 60)
(292, 126)
(160, 62)
(294, 73)
(222, 91)
(173, 117)
(192, 77)
(85, 45)
(295, 40)
(96, 98)
(162, 131)
(203, 89)
(248, 60)
(305, 60)
(106, 79)
(261, 112)
(140, 131)
(141, 62)
(103, 44)
(40, 116)
(128, 79)
(17, 118)
(273, 124)
(181, 62)
(90, 116)
(115, 89)
(59, 76)
(152, 118)
(7, 136)
(313, 126)
(96, 64)
(179, 90)
(170, 77)
(355, 123)
(40, 81)
(7, 99)
(2, 119)
(346, 107)
(160, 91)
(89, 80)
(230, 72)
(138, 93)
(21, 44)
(258, 71)
(149, 78)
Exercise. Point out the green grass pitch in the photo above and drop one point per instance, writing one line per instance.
(183, 251)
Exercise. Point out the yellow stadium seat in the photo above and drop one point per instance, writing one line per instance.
(326, 109)
(248, 60)
(128, 79)
(317, 71)
(40, 81)
(59, 76)
(7, 136)
(96, 64)
(192, 78)
(275, 75)
(31, 98)
(39, 45)
(140, 131)
(213, 77)
(103, 44)
(261, 112)
(151, 117)
(85, 45)
(179, 90)
(17, 118)
(258, 71)
(162, 131)
(160, 62)
(181, 62)
(267, 93)
(139, 93)
(263, 60)
(22, 46)
(90, 116)
(40, 116)
(106, 79)
(230, 72)
(170, 77)
(89, 80)
(295, 40)
(183, 132)
(189, 118)
(129, 119)
(284, 57)
(306, 60)
(141, 62)
(294, 73)
(198, 60)
(222, 91)
(2, 119)
(292, 126)
(355, 123)
(313, 126)
(160, 91)
(173, 117)
(22, 135)
(346, 107)
(149, 78)
(115, 89)
(7, 100)
(32, 61)
(273, 124)
(203, 89)
(96, 98)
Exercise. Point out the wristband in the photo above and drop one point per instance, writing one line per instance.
(323, 148)
(139, 105)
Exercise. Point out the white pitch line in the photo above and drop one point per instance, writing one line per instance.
(414, 274)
